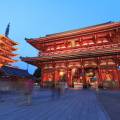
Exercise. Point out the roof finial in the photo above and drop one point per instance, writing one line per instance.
(7, 30)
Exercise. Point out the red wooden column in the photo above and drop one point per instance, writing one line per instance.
(67, 72)
(70, 78)
(118, 72)
(83, 71)
(53, 73)
(99, 71)
(42, 75)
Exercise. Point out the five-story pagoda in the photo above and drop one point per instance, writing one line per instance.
(6, 50)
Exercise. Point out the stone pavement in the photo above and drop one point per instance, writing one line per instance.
(111, 103)
(74, 105)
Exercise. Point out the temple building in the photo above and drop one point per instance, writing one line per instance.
(79, 56)
(6, 50)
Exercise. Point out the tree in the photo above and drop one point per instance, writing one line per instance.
(37, 74)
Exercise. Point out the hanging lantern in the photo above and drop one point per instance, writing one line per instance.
(1, 65)
(61, 73)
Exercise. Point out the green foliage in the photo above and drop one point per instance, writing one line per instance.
(1, 73)
(37, 74)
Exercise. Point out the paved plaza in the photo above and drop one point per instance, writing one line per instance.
(111, 102)
(73, 105)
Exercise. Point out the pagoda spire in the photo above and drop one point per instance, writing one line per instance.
(7, 30)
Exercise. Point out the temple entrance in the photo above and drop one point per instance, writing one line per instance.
(77, 77)
(62, 75)
(91, 76)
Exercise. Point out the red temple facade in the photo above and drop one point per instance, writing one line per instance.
(79, 55)
(6, 50)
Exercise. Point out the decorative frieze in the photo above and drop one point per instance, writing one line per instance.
(110, 47)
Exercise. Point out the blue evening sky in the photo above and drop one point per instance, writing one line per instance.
(35, 18)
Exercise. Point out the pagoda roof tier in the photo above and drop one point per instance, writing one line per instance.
(2, 58)
(7, 52)
(74, 33)
(8, 55)
(11, 48)
(8, 39)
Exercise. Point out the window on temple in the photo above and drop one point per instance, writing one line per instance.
(72, 43)
(50, 48)
(99, 41)
(103, 62)
(84, 43)
(111, 62)
(74, 64)
(60, 65)
(58, 47)
(48, 66)
(57, 65)
(90, 42)
(77, 43)
(69, 45)
(90, 63)
(63, 65)
(104, 40)
(63, 46)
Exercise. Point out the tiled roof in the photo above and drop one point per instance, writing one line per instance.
(8, 70)
(106, 23)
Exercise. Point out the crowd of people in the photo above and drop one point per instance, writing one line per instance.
(24, 88)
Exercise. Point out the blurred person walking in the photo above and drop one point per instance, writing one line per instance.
(55, 88)
(28, 88)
